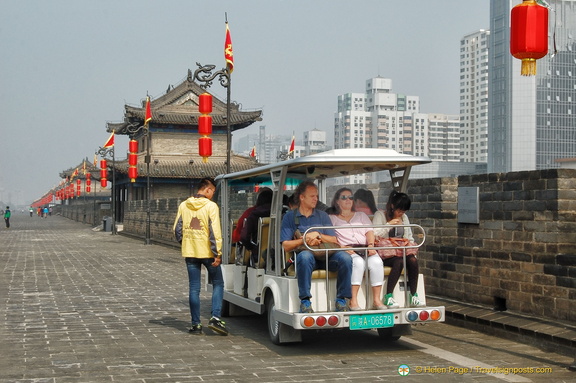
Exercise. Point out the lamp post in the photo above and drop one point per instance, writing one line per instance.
(134, 129)
(103, 152)
(204, 75)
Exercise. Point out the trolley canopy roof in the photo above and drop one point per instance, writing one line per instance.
(336, 163)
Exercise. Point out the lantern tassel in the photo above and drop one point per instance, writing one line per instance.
(528, 67)
(205, 159)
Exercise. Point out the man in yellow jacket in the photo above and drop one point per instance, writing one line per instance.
(197, 228)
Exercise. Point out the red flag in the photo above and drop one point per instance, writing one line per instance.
(148, 116)
(253, 152)
(228, 54)
(110, 141)
(291, 146)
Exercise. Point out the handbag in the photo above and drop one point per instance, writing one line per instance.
(395, 242)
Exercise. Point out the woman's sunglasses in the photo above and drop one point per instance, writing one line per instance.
(345, 197)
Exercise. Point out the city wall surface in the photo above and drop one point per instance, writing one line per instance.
(521, 256)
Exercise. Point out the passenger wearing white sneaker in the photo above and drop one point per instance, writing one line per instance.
(394, 214)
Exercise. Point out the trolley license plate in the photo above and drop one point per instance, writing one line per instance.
(365, 321)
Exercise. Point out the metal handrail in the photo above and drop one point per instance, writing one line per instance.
(403, 248)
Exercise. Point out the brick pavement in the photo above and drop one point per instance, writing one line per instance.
(85, 306)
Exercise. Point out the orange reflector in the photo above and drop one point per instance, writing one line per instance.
(308, 322)
(435, 315)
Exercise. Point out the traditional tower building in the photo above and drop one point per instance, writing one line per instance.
(174, 161)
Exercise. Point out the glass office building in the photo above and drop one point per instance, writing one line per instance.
(532, 120)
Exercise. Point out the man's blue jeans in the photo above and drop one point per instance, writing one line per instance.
(340, 262)
(194, 275)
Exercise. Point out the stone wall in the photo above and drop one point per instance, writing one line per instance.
(522, 254)
(90, 213)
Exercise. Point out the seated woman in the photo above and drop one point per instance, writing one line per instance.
(341, 214)
(398, 204)
(364, 202)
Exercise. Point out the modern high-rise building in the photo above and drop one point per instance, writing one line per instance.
(315, 141)
(474, 97)
(532, 119)
(381, 119)
(351, 122)
(444, 137)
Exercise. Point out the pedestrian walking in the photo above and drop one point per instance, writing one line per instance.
(197, 228)
(7, 215)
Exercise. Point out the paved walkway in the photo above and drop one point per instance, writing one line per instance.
(85, 306)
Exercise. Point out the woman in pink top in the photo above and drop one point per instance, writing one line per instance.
(342, 214)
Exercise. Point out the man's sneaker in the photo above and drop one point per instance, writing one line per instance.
(306, 306)
(196, 329)
(415, 301)
(218, 326)
(341, 305)
(390, 302)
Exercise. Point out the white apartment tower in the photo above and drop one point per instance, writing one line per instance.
(351, 122)
(532, 119)
(474, 97)
(444, 137)
(382, 119)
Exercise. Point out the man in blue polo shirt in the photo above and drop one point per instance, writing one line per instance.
(307, 216)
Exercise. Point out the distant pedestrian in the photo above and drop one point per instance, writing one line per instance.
(31, 211)
(45, 212)
(7, 215)
(197, 228)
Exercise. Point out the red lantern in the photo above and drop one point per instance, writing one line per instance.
(133, 160)
(132, 173)
(133, 146)
(205, 103)
(205, 125)
(205, 147)
(88, 189)
(103, 173)
(529, 34)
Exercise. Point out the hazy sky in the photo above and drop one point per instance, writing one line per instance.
(67, 67)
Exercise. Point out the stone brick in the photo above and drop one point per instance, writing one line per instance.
(559, 271)
(566, 282)
(521, 257)
(531, 288)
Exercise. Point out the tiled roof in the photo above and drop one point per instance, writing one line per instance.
(93, 170)
(183, 169)
(179, 106)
